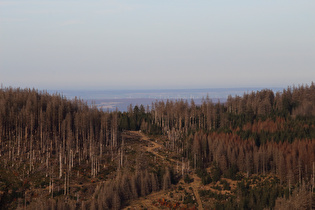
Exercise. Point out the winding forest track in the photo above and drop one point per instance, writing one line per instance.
(195, 186)
(156, 146)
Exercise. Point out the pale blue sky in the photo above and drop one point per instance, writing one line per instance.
(147, 44)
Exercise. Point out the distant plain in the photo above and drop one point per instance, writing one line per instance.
(121, 99)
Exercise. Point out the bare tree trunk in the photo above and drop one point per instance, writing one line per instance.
(65, 185)
(60, 163)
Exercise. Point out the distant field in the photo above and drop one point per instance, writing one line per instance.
(121, 99)
(122, 104)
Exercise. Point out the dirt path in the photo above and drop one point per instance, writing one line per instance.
(153, 147)
(145, 202)
(195, 186)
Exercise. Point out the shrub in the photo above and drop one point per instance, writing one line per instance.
(187, 179)
(216, 173)
(226, 185)
(206, 179)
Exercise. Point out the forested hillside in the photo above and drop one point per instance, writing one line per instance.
(255, 151)
(260, 132)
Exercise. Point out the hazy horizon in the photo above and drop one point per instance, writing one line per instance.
(166, 93)
(121, 99)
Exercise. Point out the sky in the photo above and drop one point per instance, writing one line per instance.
(156, 44)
